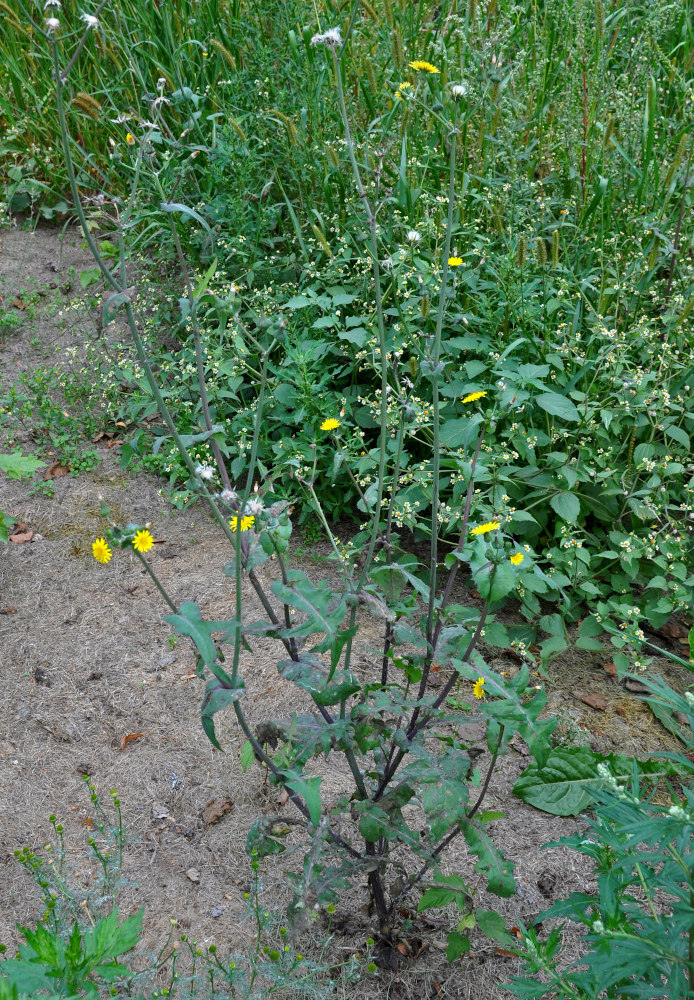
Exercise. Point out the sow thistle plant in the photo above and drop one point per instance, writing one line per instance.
(402, 740)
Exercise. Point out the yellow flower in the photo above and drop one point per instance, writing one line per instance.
(101, 551)
(330, 424)
(405, 85)
(482, 529)
(246, 522)
(143, 541)
(478, 688)
(517, 559)
(474, 395)
(455, 261)
(426, 66)
(130, 139)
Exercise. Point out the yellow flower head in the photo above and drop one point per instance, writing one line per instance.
(330, 424)
(143, 541)
(426, 66)
(130, 139)
(517, 559)
(101, 551)
(474, 395)
(482, 529)
(405, 85)
(246, 522)
(455, 261)
(478, 688)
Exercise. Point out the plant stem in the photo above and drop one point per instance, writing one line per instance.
(156, 582)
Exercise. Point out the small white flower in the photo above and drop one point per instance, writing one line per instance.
(120, 119)
(689, 695)
(413, 236)
(52, 3)
(458, 90)
(161, 84)
(90, 20)
(598, 927)
(228, 496)
(52, 24)
(331, 38)
(204, 471)
(677, 812)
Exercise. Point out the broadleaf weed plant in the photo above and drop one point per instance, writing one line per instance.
(640, 923)
(81, 948)
(402, 740)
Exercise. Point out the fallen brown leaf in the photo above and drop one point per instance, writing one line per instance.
(284, 797)
(19, 538)
(610, 669)
(673, 630)
(620, 711)
(503, 951)
(596, 701)
(129, 739)
(55, 471)
(8, 611)
(636, 686)
(215, 810)
(18, 304)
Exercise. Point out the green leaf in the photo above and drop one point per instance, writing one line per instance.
(188, 622)
(558, 406)
(17, 465)
(324, 610)
(218, 695)
(6, 523)
(451, 890)
(309, 789)
(566, 505)
(493, 925)
(457, 945)
(679, 435)
(112, 303)
(495, 582)
(566, 783)
(323, 322)
(310, 674)
(498, 870)
(247, 755)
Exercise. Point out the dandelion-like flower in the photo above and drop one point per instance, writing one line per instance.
(482, 529)
(254, 507)
(421, 64)
(330, 38)
(455, 261)
(517, 559)
(330, 424)
(204, 471)
(472, 396)
(52, 3)
(458, 90)
(90, 20)
(130, 139)
(143, 541)
(52, 24)
(478, 688)
(413, 236)
(101, 551)
(228, 496)
(244, 523)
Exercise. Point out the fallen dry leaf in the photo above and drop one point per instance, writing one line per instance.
(8, 611)
(673, 630)
(215, 810)
(620, 711)
(88, 822)
(129, 738)
(55, 471)
(503, 951)
(596, 701)
(159, 811)
(610, 669)
(18, 304)
(193, 874)
(20, 537)
(636, 686)
(284, 797)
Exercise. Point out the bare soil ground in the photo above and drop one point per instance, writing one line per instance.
(86, 660)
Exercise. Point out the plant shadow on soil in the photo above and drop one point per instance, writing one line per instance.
(86, 660)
